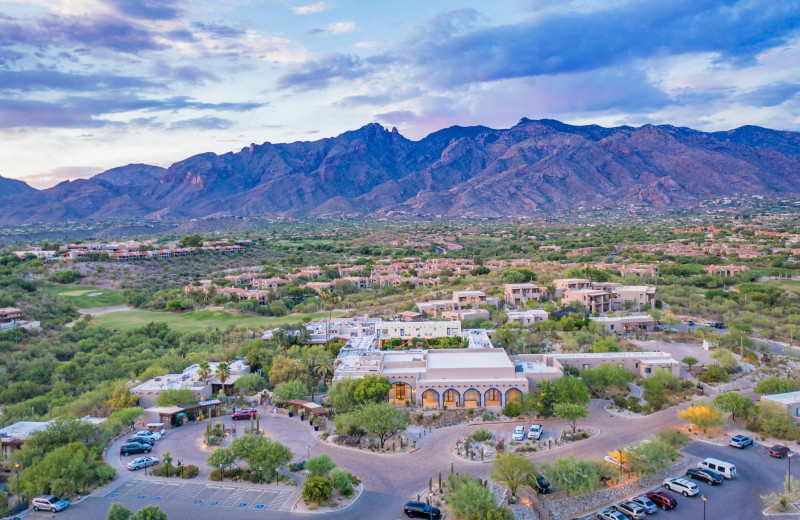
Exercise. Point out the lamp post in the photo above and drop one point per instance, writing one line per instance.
(16, 468)
(430, 506)
(221, 473)
(236, 472)
(276, 476)
(260, 474)
(145, 467)
(308, 452)
(704, 507)
(180, 463)
(789, 474)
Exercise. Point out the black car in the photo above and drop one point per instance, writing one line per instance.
(539, 483)
(422, 510)
(712, 478)
(134, 447)
(142, 439)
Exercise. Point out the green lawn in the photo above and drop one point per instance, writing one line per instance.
(80, 295)
(789, 285)
(196, 321)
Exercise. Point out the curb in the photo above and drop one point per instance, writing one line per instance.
(294, 511)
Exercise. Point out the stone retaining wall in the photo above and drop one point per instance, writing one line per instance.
(572, 505)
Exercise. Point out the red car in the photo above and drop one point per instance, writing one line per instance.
(662, 499)
(243, 414)
(780, 451)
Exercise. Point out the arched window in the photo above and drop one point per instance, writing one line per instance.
(513, 395)
(430, 398)
(472, 398)
(451, 398)
(493, 397)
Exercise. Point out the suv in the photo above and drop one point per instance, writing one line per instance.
(712, 478)
(142, 462)
(741, 441)
(685, 487)
(49, 503)
(539, 483)
(645, 503)
(244, 414)
(631, 510)
(519, 434)
(535, 432)
(421, 510)
(134, 447)
(779, 450)
(662, 499)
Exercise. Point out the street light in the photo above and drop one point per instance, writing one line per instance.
(790, 472)
(236, 472)
(260, 474)
(308, 452)
(180, 463)
(704, 507)
(221, 473)
(276, 476)
(16, 467)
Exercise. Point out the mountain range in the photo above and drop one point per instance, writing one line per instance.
(533, 168)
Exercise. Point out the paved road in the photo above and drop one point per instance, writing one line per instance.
(389, 481)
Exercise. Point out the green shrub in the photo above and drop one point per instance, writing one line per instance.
(480, 435)
(341, 482)
(297, 466)
(190, 471)
(215, 475)
(317, 490)
(320, 466)
(512, 409)
(488, 416)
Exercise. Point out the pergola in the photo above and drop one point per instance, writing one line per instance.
(313, 408)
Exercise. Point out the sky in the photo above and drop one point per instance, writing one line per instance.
(87, 85)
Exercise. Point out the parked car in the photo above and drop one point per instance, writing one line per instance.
(142, 439)
(690, 323)
(648, 505)
(148, 433)
(719, 325)
(142, 462)
(134, 447)
(535, 432)
(631, 510)
(610, 514)
(779, 450)
(662, 499)
(539, 483)
(244, 414)
(519, 434)
(712, 478)
(741, 441)
(50, 503)
(685, 487)
(421, 510)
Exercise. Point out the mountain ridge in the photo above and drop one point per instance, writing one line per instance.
(533, 168)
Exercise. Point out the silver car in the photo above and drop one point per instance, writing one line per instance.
(49, 503)
(142, 462)
(648, 505)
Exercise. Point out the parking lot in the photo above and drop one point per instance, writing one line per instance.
(737, 499)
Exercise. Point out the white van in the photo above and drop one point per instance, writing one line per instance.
(726, 469)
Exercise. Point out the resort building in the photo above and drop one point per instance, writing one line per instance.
(461, 300)
(526, 318)
(790, 401)
(518, 294)
(189, 379)
(621, 324)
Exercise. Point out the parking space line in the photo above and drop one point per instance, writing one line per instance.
(187, 492)
(136, 488)
(280, 500)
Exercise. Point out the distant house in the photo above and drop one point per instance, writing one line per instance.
(518, 294)
(567, 311)
(725, 270)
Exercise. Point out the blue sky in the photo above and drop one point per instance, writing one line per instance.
(86, 85)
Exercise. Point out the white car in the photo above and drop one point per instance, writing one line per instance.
(148, 433)
(535, 432)
(685, 487)
(519, 434)
(142, 462)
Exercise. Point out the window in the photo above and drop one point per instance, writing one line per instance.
(400, 391)
(451, 398)
(648, 370)
(493, 397)
(585, 366)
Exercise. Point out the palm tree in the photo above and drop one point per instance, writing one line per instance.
(223, 373)
(205, 371)
(330, 300)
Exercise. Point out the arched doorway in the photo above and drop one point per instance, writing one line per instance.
(451, 398)
(472, 398)
(430, 398)
(493, 397)
(513, 395)
(400, 393)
